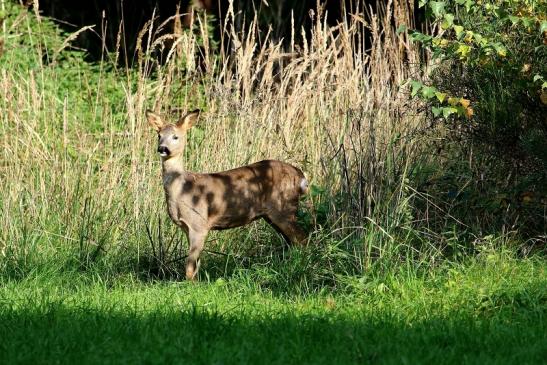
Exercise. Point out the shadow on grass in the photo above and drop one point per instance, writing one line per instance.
(55, 333)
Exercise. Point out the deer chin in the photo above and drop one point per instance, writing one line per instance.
(163, 154)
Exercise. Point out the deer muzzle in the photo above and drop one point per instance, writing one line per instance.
(163, 151)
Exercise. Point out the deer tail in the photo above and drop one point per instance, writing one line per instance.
(303, 185)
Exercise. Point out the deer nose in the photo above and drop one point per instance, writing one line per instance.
(162, 150)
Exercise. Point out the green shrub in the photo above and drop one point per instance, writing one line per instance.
(491, 81)
(488, 90)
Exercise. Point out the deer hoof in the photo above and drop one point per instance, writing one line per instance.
(190, 274)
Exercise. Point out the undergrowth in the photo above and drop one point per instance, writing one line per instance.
(82, 181)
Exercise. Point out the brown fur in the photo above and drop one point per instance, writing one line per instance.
(199, 203)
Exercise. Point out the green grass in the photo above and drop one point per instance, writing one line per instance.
(488, 311)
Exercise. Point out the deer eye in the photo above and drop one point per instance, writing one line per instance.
(175, 137)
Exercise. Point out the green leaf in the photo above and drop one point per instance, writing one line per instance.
(436, 111)
(459, 30)
(469, 4)
(402, 28)
(468, 36)
(453, 101)
(463, 50)
(514, 19)
(428, 92)
(460, 110)
(537, 77)
(527, 22)
(422, 3)
(437, 7)
(420, 37)
(483, 41)
(448, 21)
(543, 26)
(447, 111)
(500, 49)
(416, 86)
(440, 96)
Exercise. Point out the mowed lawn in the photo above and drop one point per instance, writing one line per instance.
(489, 311)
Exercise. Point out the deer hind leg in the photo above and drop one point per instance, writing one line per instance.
(285, 223)
(196, 241)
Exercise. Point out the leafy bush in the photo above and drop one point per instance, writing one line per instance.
(491, 80)
(487, 90)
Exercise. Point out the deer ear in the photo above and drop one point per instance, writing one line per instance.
(154, 120)
(189, 119)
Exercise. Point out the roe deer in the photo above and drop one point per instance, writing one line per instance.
(199, 202)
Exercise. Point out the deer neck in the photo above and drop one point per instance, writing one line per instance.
(172, 170)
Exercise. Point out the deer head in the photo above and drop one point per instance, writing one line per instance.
(172, 137)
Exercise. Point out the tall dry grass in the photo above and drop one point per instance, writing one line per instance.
(327, 104)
